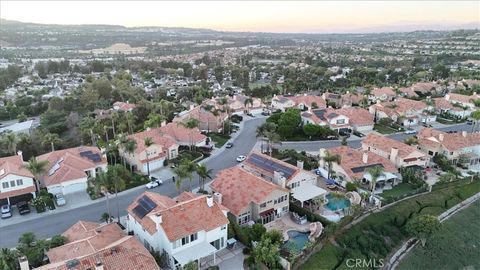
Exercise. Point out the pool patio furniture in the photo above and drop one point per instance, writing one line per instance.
(298, 219)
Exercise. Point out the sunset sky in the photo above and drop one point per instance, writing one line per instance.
(265, 16)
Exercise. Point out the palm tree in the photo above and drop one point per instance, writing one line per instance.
(8, 259)
(476, 117)
(182, 173)
(51, 139)
(148, 141)
(375, 172)
(101, 185)
(122, 143)
(330, 159)
(190, 167)
(203, 173)
(246, 102)
(11, 141)
(37, 168)
(268, 132)
(112, 150)
(190, 124)
(130, 147)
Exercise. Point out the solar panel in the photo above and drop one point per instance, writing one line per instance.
(319, 113)
(363, 168)
(85, 153)
(145, 206)
(270, 165)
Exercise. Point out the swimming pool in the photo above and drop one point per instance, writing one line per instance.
(296, 240)
(336, 203)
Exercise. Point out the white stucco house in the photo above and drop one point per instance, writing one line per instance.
(16, 182)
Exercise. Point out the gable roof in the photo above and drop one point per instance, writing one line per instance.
(451, 141)
(13, 165)
(356, 115)
(266, 165)
(157, 138)
(385, 144)
(351, 160)
(180, 133)
(239, 188)
(400, 106)
(382, 91)
(70, 164)
(185, 216)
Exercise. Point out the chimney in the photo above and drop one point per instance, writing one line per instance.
(99, 265)
(164, 123)
(464, 133)
(365, 157)
(20, 153)
(217, 197)
(192, 107)
(321, 163)
(440, 137)
(378, 101)
(23, 261)
(300, 164)
(157, 219)
(393, 154)
(234, 97)
(209, 200)
(279, 179)
(148, 128)
(447, 97)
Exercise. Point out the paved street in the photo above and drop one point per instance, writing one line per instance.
(53, 223)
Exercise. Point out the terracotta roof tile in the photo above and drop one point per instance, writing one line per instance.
(386, 144)
(181, 134)
(13, 165)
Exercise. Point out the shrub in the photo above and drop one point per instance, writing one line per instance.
(246, 250)
(351, 186)
(241, 234)
(312, 217)
(57, 240)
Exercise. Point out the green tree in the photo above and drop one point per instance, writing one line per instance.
(267, 252)
(289, 123)
(37, 168)
(154, 120)
(51, 139)
(130, 147)
(257, 231)
(423, 227)
(8, 259)
(330, 159)
(375, 173)
(182, 172)
(11, 141)
(268, 133)
(101, 186)
(476, 118)
(190, 124)
(148, 141)
(310, 130)
(203, 173)
(21, 117)
(190, 266)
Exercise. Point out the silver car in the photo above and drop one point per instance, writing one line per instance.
(60, 199)
(6, 211)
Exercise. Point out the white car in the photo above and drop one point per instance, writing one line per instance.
(241, 158)
(154, 182)
(60, 199)
(6, 211)
(410, 131)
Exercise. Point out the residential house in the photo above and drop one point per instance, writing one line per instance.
(399, 153)
(454, 146)
(359, 119)
(406, 112)
(182, 135)
(333, 99)
(208, 121)
(348, 99)
(382, 94)
(249, 197)
(354, 165)
(238, 105)
(16, 182)
(408, 92)
(302, 183)
(97, 246)
(441, 105)
(68, 170)
(187, 228)
(153, 157)
(123, 106)
(326, 117)
(426, 88)
(302, 102)
(462, 100)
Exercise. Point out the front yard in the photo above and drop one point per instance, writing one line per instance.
(384, 129)
(455, 246)
(380, 233)
(219, 139)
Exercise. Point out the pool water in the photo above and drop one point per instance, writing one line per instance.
(296, 240)
(335, 203)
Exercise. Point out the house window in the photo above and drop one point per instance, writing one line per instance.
(224, 227)
(185, 240)
(19, 182)
(147, 245)
(263, 205)
(295, 184)
(5, 185)
(340, 121)
(12, 183)
(193, 237)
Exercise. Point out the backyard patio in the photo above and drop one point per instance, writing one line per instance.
(285, 224)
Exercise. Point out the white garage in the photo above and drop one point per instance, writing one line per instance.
(69, 187)
(154, 165)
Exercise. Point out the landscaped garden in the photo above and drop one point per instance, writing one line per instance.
(454, 246)
(219, 139)
(398, 190)
(381, 233)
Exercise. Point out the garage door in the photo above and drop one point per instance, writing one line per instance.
(154, 165)
(74, 188)
(55, 189)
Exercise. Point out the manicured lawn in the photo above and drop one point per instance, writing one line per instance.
(455, 246)
(398, 190)
(380, 233)
(219, 139)
(384, 129)
(326, 259)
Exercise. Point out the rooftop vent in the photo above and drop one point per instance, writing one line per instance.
(72, 263)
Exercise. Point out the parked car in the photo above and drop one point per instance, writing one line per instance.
(452, 131)
(265, 113)
(6, 211)
(241, 158)
(154, 182)
(410, 131)
(344, 134)
(332, 137)
(426, 125)
(469, 122)
(358, 134)
(229, 145)
(60, 199)
(23, 207)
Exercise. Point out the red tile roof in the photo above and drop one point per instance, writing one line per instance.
(357, 116)
(181, 134)
(17, 192)
(182, 218)
(353, 158)
(71, 165)
(13, 165)
(90, 244)
(239, 188)
(157, 138)
(123, 106)
(383, 91)
(386, 144)
(451, 141)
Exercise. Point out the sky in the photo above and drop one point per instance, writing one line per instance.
(254, 16)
